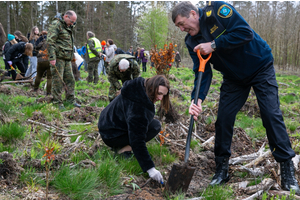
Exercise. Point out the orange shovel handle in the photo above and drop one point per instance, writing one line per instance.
(202, 61)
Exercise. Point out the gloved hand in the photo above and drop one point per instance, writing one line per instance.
(155, 175)
(9, 62)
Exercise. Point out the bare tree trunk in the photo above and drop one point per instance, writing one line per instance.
(31, 13)
(8, 16)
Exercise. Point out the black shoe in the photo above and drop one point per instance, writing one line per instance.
(288, 180)
(77, 105)
(221, 176)
(126, 154)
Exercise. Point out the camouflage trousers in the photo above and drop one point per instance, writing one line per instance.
(93, 71)
(112, 92)
(62, 71)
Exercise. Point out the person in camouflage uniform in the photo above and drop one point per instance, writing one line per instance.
(94, 50)
(60, 54)
(122, 67)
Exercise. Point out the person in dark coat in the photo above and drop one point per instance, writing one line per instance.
(14, 57)
(10, 41)
(143, 59)
(127, 122)
(177, 59)
(43, 63)
(245, 61)
(21, 38)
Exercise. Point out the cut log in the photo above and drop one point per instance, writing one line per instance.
(248, 157)
(26, 81)
(259, 159)
(257, 194)
(208, 143)
(265, 185)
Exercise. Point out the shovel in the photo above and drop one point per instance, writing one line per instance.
(18, 76)
(181, 176)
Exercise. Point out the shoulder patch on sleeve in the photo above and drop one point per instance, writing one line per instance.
(225, 11)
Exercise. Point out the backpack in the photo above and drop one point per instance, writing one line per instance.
(146, 55)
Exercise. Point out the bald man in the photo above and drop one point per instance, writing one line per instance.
(60, 52)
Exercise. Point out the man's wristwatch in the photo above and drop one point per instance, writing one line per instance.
(213, 45)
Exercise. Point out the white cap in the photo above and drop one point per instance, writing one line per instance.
(124, 64)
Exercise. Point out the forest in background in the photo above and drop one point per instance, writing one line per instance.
(148, 23)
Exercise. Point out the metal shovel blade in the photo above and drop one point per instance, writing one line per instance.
(180, 178)
(19, 77)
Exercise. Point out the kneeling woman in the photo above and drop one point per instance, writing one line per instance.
(127, 123)
(14, 57)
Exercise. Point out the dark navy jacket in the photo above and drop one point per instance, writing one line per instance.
(240, 52)
(15, 52)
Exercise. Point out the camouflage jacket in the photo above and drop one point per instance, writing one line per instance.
(60, 40)
(114, 74)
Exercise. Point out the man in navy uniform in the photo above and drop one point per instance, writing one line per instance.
(246, 61)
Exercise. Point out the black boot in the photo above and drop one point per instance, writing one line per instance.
(288, 180)
(221, 176)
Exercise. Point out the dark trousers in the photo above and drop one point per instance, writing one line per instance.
(25, 62)
(19, 64)
(144, 64)
(41, 68)
(7, 67)
(123, 140)
(234, 95)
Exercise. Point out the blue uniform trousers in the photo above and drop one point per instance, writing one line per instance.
(234, 95)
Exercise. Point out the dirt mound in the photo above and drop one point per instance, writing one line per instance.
(9, 168)
(144, 194)
(83, 114)
(12, 90)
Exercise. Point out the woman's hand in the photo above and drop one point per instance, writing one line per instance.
(155, 175)
(194, 109)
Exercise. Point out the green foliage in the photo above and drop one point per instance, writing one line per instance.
(9, 148)
(29, 176)
(77, 183)
(289, 98)
(156, 151)
(109, 173)
(253, 126)
(12, 131)
(51, 112)
(218, 193)
(152, 28)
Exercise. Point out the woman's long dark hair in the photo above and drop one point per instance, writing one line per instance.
(152, 85)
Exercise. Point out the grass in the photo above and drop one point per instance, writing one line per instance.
(12, 131)
(77, 183)
(218, 193)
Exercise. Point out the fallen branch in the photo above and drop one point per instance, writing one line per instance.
(259, 171)
(149, 179)
(26, 81)
(259, 159)
(70, 135)
(74, 146)
(171, 141)
(244, 158)
(265, 185)
(47, 126)
(186, 128)
(257, 194)
(78, 124)
(208, 143)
